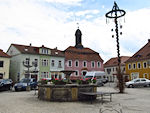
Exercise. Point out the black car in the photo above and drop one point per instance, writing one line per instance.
(24, 83)
(6, 84)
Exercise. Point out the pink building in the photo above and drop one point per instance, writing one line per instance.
(81, 59)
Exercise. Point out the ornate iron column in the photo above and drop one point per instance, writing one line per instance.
(116, 13)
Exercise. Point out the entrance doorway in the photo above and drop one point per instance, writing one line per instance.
(145, 75)
(34, 76)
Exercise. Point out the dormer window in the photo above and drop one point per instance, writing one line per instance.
(44, 51)
(26, 49)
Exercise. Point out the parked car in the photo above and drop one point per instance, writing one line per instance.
(6, 84)
(22, 85)
(138, 82)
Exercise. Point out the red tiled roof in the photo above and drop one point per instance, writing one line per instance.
(3, 54)
(35, 50)
(142, 54)
(72, 53)
(114, 61)
(27, 49)
(56, 52)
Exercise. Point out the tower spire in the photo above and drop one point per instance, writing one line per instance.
(78, 36)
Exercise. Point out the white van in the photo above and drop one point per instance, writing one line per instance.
(99, 75)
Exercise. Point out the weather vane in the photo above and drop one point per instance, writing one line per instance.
(77, 25)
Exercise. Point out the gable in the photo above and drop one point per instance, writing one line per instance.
(13, 51)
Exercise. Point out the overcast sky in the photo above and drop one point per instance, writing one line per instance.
(53, 23)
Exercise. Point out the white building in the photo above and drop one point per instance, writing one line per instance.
(111, 66)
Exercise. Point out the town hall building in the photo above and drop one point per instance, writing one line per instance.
(82, 59)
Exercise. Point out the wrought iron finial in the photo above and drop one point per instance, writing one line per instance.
(115, 12)
(77, 25)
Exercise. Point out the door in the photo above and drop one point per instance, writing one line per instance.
(137, 83)
(143, 82)
(145, 75)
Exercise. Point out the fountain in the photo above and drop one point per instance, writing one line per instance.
(65, 92)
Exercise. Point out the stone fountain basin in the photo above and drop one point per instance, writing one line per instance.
(68, 92)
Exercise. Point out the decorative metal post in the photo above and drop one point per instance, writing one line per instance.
(28, 66)
(116, 13)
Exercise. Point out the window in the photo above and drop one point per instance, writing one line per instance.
(44, 62)
(138, 65)
(35, 63)
(134, 66)
(53, 63)
(92, 64)
(99, 64)
(144, 65)
(27, 62)
(76, 63)
(108, 70)
(44, 75)
(1, 63)
(77, 73)
(70, 63)
(59, 64)
(143, 80)
(44, 51)
(129, 66)
(137, 80)
(84, 64)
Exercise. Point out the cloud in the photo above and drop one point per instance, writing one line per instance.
(85, 12)
(65, 2)
(26, 22)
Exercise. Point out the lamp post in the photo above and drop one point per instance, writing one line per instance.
(116, 13)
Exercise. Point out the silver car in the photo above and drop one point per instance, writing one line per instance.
(138, 82)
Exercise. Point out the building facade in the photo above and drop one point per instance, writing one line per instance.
(82, 59)
(4, 65)
(57, 63)
(138, 66)
(111, 67)
(30, 61)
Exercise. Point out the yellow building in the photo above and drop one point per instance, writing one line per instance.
(4, 65)
(138, 66)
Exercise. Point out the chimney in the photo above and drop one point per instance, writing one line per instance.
(148, 40)
(30, 44)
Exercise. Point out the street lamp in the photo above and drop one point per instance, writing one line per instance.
(116, 13)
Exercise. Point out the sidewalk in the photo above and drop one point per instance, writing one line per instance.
(134, 100)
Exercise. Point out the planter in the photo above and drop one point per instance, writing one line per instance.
(59, 83)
